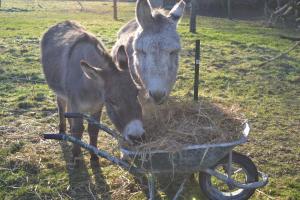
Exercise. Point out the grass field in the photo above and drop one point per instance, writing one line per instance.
(269, 96)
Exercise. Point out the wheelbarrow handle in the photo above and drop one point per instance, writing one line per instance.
(94, 122)
(73, 115)
(101, 153)
(54, 136)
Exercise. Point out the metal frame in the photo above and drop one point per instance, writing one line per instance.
(151, 177)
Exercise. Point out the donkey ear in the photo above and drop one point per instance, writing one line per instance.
(177, 11)
(90, 71)
(122, 58)
(144, 13)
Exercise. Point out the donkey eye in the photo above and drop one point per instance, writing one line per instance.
(114, 105)
(111, 102)
(136, 93)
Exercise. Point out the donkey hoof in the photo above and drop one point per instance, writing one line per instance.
(94, 157)
(62, 132)
(94, 161)
(62, 129)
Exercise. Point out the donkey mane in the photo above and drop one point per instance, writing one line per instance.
(160, 16)
(99, 47)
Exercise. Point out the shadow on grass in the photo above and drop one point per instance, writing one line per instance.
(170, 183)
(101, 183)
(81, 185)
(14, 9)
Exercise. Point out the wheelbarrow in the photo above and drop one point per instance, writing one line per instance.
(223, 173)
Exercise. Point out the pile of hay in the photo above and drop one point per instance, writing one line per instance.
(178, 124)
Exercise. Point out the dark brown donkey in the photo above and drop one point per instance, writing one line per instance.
(84, 77)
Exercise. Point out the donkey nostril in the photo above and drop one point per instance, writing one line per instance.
(157, 95)
(134, 130)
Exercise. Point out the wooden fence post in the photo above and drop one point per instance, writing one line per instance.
(193, 16)
(197, 66)
(115, 10)
(229, 9)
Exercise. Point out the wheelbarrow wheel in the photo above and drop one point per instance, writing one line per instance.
(243, 170)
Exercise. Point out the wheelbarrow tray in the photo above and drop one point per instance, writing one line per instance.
(188, 160)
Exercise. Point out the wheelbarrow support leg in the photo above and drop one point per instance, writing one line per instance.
(229, 169)
(151, 186)
(179, 191)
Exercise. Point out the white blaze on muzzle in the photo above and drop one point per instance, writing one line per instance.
(134, 129)
(156, 83)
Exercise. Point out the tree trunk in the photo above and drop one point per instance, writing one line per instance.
(193, 16)
(229, 9)
(266, 9)
(115, 10)
(278, 4)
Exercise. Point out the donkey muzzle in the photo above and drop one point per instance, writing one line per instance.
(158, 96)
(134, 130)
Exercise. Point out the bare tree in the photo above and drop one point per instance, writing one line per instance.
(81, 6)
(284, 11)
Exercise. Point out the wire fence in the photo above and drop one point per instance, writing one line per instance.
(99, 7)
(95, 7)
(23, 80)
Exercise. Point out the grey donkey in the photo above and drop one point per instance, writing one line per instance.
(84, 77)
(152, 45)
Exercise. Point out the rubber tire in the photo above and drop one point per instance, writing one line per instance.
(241, 160)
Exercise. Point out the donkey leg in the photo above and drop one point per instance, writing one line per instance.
(93, 132)
(77, 129)
(61, 105)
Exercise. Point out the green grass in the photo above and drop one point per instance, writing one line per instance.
(269, 96)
